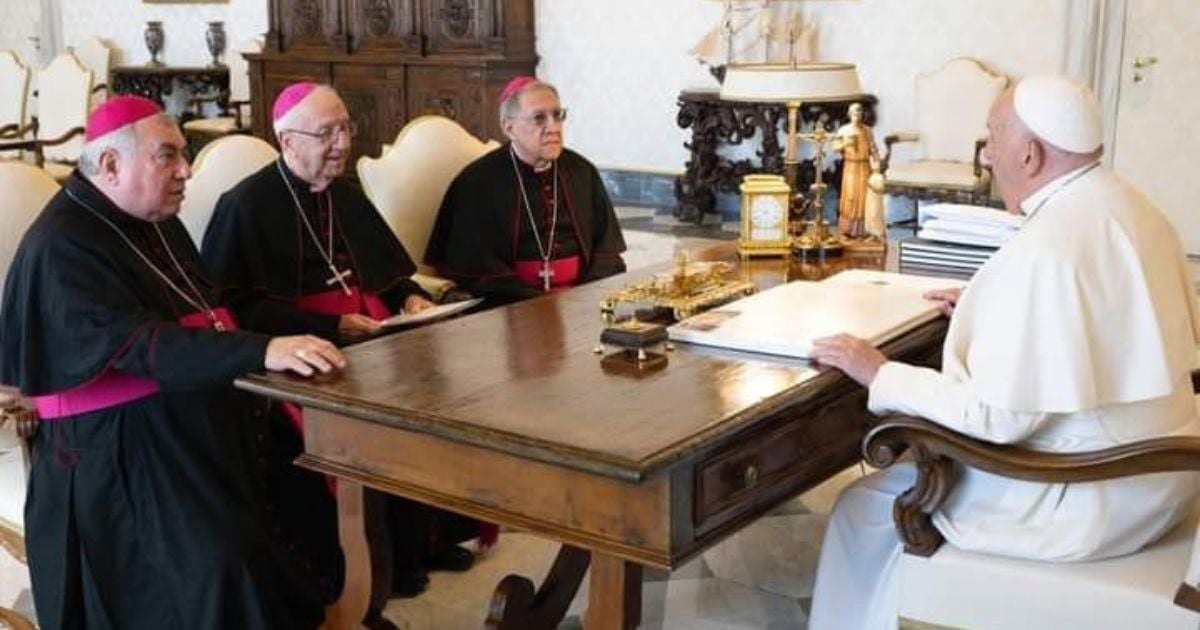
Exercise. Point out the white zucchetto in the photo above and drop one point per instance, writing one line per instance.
(1060, 111)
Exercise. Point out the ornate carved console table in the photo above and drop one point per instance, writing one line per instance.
(716, 123)
(155, 82)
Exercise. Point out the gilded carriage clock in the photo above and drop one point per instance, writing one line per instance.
(765, 216)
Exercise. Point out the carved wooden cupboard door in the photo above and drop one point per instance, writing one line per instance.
(464, 25)
(385, 25)
(308, 24)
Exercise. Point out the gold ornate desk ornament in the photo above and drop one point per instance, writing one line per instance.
(691, 287)
(817, 237)
(765, 216)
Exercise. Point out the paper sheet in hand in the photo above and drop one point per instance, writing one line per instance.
(784, 320)
(430, 314)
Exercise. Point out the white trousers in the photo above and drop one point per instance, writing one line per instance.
(856, 587)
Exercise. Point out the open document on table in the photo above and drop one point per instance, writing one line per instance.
(430, 314)
(784, 320)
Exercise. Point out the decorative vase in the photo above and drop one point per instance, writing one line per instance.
(215, 38)
(154, 41)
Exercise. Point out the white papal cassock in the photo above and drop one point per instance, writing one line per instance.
(1078, 334)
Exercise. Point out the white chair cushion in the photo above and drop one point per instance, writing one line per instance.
(407, 183)
(932, 173)
(952, 109)
(979, 591)
(219, 166)
(58, 170)
(219, 126)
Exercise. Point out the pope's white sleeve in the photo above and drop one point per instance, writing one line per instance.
(902, 388)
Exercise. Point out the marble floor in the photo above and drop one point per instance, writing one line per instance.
(759, 578)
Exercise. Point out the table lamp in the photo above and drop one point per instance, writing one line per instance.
(794, 84)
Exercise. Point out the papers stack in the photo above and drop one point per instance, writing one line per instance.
(784, 320)
(957, 239)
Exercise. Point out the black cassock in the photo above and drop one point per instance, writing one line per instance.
(257, 244)
(151, 513)
(483, 227)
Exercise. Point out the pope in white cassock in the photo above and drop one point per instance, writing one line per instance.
(1079, 334)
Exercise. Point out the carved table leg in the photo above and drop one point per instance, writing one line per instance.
(516, 606)
(614, 594)
(367, 545)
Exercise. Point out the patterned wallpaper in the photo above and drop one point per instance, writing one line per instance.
(620, 63)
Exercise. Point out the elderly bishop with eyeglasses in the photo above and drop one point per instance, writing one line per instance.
(307, 252)
(531, 216)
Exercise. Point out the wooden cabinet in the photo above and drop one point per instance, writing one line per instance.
(394, 60)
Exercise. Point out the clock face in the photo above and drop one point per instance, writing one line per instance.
(766, 218)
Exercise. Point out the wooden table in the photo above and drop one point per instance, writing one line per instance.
(509, 416)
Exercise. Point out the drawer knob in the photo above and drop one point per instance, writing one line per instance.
(750, 476)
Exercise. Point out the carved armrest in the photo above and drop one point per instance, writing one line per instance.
(99, 87)
(889, 140)
(13, 131)
(977, 164)
(938, 452)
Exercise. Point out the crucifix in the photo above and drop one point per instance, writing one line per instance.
(545, 273)
(339, 277)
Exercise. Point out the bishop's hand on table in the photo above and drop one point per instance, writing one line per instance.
(304, 355)
(857, 358)
(355, 326)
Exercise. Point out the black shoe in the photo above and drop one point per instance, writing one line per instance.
(453, 558)
(406, 584)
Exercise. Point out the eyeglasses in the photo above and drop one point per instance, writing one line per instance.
(326, 135)
(541, 119)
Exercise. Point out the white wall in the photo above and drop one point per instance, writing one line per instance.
(120, 23)
(620, 64)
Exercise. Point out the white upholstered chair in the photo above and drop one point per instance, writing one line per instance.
(952, 105)
(94, 55)
(64, 90)
(945, 586)
(408, 181)
(26, 191)
(14, 90)
(219, 166)
(235, 114)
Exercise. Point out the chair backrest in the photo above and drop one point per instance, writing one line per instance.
(14, 85)
(26, 191)
(96, 57)
(64, 88)
(219, 166)
(952, 108)
(239, 69)
(407, 182)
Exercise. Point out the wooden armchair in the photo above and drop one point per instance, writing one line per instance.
(219, 166)
(27, 189)
(952, 106)
(64, 89)
(951, 587)
(96, 57)
(14, 89)
(234, 106)
(406, 184)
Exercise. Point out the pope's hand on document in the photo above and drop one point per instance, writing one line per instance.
(946, 299)
(416, 303)
(355, 325)
(303, 354)
(857, 358)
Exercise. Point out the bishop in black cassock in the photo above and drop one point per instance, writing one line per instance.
(531, 216)
(146, 507)
(306, 250)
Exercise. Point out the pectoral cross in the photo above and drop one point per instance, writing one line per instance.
(339, 277)
(545, 274)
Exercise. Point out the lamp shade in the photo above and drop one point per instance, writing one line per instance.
(777, 82)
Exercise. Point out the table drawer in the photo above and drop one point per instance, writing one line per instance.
(760, 465)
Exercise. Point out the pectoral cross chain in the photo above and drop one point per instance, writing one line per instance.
(339, 277)
(546, 273)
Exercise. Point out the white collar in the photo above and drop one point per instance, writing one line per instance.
(1034, 202)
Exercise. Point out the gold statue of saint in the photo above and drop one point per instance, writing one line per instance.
(860, 157)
